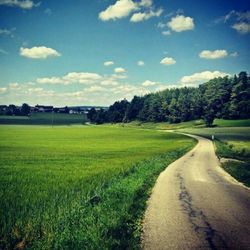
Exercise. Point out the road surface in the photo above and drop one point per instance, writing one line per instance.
(196, 205)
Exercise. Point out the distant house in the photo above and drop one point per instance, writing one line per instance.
(42, 108)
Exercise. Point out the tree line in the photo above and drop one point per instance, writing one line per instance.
(227, 98)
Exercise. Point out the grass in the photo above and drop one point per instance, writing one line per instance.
(79, 187)
(218, 123)
(44, 119)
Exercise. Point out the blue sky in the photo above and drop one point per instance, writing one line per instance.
(54, 52)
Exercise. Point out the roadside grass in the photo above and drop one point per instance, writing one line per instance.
(79, 187)
(232, 143)
(186, 125)
(163, 125)
(232, 123)
(44, 119)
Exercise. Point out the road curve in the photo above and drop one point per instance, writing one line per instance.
(197, 205)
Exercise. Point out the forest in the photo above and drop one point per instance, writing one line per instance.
(226, 98)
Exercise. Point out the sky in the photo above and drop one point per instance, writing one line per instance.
(95, 52)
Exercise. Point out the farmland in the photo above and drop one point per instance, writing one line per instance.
(79, 187)
(44, 119)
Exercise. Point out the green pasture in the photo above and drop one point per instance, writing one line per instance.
(79, 187)
(44, 119)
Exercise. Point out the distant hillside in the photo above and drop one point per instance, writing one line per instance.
(227, 98)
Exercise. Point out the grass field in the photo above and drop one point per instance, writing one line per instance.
(44, 119)
(79, 187)
(187, 125)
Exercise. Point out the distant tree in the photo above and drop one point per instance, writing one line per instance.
(92, 114)
(66, 110)
(25, 109)
(101, 117)
(11, 110)
(209, 118)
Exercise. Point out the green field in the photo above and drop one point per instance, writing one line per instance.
(44, 119)
(218, 123)
(79, 187)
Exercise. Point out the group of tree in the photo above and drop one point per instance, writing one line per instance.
(227, 98)
(12, 109)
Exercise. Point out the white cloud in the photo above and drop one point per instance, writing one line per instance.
(149, 83)
(146, 3)
(142, 16)
(119, 70)
(24, 4)
(168, 61)
(181, 23)
(72, 77)
(140, 63)
(201, 77)
(108, 63)
(109, 82)
(41, 52)
(242, 27)
(95, 89)
(3, 90)
(166, 33)
(121, 8)
(14, 86)
(216, 54)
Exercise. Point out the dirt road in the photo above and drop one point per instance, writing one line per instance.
(196, 205)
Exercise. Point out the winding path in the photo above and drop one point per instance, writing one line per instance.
(197, 205)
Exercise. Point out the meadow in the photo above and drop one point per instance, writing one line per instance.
(79, 187)
(44, 119)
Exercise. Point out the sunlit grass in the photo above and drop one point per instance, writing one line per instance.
(78, 187)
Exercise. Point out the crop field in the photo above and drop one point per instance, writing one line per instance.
(79, 187)
(44, 119)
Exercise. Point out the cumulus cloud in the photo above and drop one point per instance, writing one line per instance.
(241, 21)
(142, 16)
(119, 70)
(149, 83)
(121, 8)
(23, 4)
(168, 61)
(108, 63)
(72, 77)
(41, 52)
(140, 63)
(146, 3)
(181, 23)
(242, 27)
(216, 54)
(200, 77)
(3, 90)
